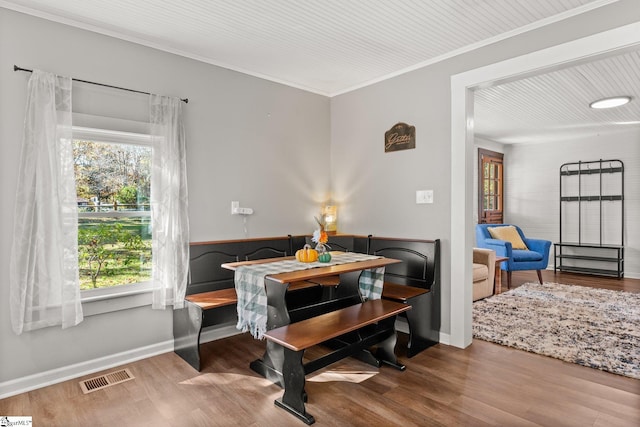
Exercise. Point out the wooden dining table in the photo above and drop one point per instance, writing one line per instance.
(343, 292)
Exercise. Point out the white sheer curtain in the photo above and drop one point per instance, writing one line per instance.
(44, 281)
(169, 213)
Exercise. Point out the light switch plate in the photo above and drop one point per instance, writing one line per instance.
(424, 196)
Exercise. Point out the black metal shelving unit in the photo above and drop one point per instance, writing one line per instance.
(590, 254)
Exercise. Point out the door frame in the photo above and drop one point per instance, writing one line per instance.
(582, 50)
(482, 152)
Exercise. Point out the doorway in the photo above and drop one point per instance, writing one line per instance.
(462, 92)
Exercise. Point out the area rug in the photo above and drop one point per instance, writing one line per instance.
(598, 328)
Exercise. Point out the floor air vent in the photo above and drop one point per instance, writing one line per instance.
(106, 380)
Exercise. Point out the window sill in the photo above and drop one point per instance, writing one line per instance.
(124, 297)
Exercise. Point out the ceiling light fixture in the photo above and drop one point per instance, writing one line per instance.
(615, 101)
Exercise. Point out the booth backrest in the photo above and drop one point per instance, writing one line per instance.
(206, 258)
(341, 242)
(421, 263)
(420, 266)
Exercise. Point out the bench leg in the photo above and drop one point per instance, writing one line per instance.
(187, 325)
(294, 395)
(386, 348)
(422, 333)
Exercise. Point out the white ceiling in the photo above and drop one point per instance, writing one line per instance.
(555, 106)
(330, 47)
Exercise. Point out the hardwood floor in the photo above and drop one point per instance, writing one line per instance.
(484, 384)
(624, 284)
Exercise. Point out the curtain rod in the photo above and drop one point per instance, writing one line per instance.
(16, 68)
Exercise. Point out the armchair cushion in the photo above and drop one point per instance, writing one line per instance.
(508, 233)
(480, 272)
(525, 256)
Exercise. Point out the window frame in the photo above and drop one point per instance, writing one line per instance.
(489, 216)
(129, 295)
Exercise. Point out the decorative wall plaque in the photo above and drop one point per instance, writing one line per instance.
(400, 137)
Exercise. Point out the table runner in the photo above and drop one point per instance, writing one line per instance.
(252, 296)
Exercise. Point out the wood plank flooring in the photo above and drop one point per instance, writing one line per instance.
(624, 284)
(482, 385)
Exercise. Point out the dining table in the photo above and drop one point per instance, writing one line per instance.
(262, 287)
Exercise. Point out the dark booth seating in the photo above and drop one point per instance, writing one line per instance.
(210, 297)
(211, 300)
(416, 282)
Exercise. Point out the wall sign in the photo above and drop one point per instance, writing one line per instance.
(400, 137)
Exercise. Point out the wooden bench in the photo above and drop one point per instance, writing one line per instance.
(223, 297)
(349, 331)
(401, 293)
(415, 282)
(188, 322)
(211, 297)
(214, 299)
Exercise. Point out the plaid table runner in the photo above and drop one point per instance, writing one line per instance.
(252, 296)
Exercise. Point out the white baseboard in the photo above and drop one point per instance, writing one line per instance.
(218, 332)
(445, 338)
(402, 326)
(54, 376)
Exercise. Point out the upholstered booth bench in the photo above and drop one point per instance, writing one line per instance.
(211, 300)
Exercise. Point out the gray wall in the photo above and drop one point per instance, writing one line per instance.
(532, 191)
(264, 144)
(379, 188)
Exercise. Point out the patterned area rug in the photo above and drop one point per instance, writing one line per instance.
(597, 328)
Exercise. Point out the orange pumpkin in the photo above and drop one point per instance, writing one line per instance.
(306, 254)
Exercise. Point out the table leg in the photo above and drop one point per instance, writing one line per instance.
(270, 365)
(294, 395)
(498, 279)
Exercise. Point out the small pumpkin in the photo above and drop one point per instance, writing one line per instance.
(306, 254)
(324, 257)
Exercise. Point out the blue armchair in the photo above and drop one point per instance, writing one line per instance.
(535, 258)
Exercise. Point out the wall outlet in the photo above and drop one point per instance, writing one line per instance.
(237, 210)
(243, 211)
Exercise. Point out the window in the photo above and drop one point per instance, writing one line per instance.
(490, 187)
(113, 181)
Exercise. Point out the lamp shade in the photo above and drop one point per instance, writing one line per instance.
(330, 215)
